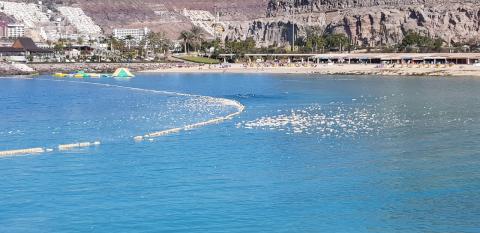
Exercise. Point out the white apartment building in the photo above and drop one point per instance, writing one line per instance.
(137, 34)
(14, 30)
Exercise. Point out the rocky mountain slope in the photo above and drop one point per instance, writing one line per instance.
(366, 22)
(165, 15)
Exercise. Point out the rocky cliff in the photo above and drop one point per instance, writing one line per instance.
(365, 22)
(286, 7)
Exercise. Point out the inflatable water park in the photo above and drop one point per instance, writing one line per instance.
(120, 73)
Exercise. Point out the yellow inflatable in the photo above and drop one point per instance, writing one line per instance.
(79, 75)
(60, 75)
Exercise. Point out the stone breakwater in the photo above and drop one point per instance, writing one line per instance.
(49, 68)
(14, 69)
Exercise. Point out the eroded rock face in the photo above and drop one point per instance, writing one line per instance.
(367, 22)
(282, 7)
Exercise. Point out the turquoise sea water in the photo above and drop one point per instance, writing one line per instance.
(308, 154)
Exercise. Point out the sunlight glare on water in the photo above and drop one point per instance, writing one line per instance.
(309, 153)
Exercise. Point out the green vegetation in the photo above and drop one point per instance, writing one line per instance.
(415, 42)
(157, 47)
(192, 39)
(187, 38)
(157, 42)
(115, 44)
(314, 42)
(128, 40)
(240, 47)
(203, 60)
(317, 41)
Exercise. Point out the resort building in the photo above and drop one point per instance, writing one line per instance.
(30, 14)
(14, 30)
(48, 24)
(136, 34)
(23, 50)
(3, 26)
(79, 52)
(207, 21)
(12, 54)
(83, 23)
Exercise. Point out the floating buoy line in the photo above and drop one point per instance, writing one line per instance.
(78, 145)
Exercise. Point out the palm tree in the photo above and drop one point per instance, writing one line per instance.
(129, 39)
(187, 37)
(110, 40)
(158, 41)
(197, 35)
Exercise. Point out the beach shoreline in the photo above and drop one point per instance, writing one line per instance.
(319, 69)
(334, 69)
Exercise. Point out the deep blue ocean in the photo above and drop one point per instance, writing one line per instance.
(309, 154)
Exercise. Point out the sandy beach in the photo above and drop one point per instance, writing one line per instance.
(332, 69)
(324, 69)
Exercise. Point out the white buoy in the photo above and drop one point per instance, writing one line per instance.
(77, 145)
(22, 152)
(240, 108)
